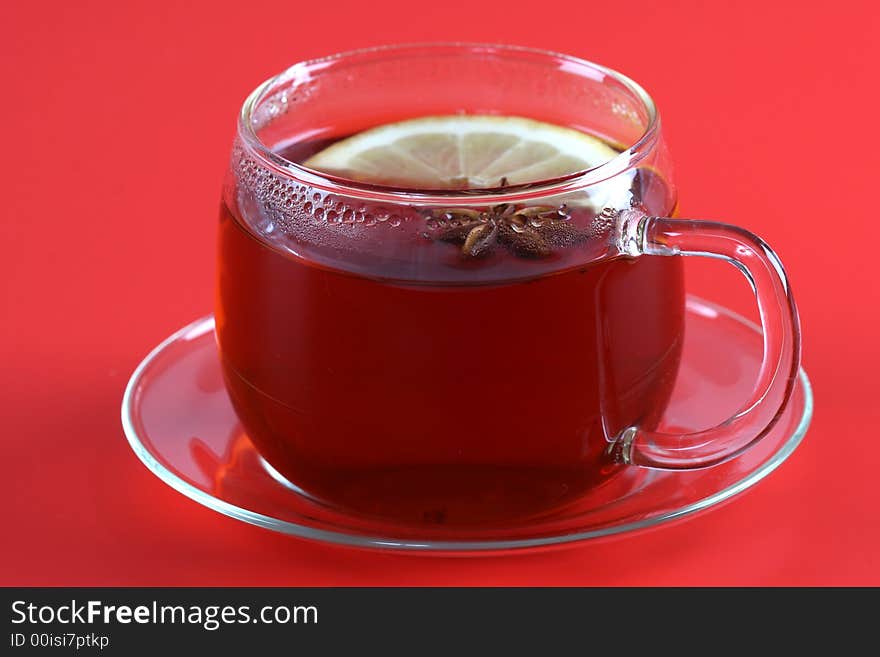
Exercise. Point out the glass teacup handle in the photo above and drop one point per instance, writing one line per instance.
(639, 234)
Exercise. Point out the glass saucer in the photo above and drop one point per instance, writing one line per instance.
(180, 423)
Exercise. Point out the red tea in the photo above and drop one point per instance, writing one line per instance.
(414, 384)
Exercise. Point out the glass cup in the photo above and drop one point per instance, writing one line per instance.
(469, 356)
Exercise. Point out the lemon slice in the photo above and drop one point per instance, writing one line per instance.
(464, 151)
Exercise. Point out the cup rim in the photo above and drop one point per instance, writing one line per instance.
(306, 69)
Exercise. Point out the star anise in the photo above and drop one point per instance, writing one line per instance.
(529, 232)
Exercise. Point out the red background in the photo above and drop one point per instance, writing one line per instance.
(117, 120)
